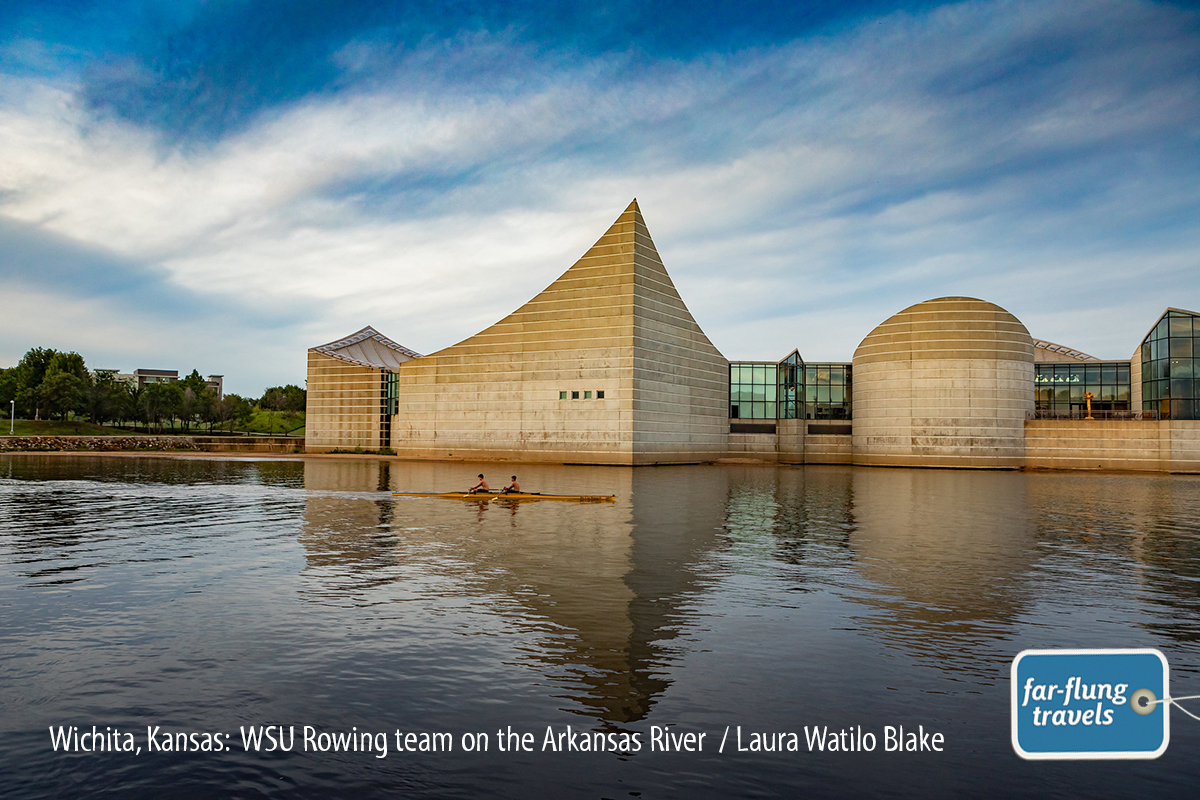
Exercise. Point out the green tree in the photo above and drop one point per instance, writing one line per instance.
(240, 410)
(30, 372)
(70, 363)
(173, 398)
(62, 392)
(159, 402)
(102, 397)
(124, 402)
(8, 389)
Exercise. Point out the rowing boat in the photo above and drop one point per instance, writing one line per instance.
(579, 498)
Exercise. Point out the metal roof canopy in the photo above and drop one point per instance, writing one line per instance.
(369, 348)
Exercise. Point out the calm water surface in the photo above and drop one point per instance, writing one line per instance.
(210, 595)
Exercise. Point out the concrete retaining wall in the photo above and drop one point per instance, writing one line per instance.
(114, 444)
(95, 443)
(1148, 446)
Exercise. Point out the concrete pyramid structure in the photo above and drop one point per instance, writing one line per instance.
(606, 365)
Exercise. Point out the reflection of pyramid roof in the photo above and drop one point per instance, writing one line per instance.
(1063, 350)
(368, 348)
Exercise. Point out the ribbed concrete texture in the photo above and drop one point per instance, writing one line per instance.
(343, 405)
(1136, 445)
(944, 383)
(612, 323)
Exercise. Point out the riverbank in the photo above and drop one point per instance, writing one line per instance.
(161, 444)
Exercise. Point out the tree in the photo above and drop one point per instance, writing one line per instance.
(240, 409)
(125, 402)
(291, 400)
(8, 388)
(189, 406)
(158, 402)
(62, 392)
(30, 372)
(172, 402)
(103, 397)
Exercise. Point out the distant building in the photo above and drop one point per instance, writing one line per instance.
(116, 375)
(148, 376)
(607, 366)
(217, 384)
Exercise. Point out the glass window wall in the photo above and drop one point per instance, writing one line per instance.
(827, 391)
(789, 389)
(1063, 387)
(1170, 368)
(753, 390)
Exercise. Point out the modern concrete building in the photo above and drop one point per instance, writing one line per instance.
(148, 376)
(944, 383)
(607, 366)
(349, 405)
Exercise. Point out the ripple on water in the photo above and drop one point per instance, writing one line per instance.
(208, 594)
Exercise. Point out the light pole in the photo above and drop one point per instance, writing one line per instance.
(12, 418)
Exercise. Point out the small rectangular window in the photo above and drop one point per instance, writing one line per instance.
(562, 395)
(587, 395)
(600, 394)
(574, 395)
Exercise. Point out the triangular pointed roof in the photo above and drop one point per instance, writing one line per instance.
(593, 303)
(611, 330)
(369, 348)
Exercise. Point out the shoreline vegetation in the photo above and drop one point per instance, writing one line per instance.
(53, 393)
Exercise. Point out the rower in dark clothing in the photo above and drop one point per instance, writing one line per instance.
(512, 488)
(480, 488)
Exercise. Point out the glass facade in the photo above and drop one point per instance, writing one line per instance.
(827, 391)
(391, 393)
(789, 389)
(753, 390)
(791, 381)
(1062, 387)
(1170, 377)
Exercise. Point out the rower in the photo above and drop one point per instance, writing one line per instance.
(480, 487)
(512, 488)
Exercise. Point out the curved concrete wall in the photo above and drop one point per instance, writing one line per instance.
(944, 383)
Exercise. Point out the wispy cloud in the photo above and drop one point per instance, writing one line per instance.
(800, 191)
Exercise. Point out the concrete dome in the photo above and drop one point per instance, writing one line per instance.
(947, 328)
(947, 383)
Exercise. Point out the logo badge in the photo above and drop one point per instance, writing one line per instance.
(1090, 704)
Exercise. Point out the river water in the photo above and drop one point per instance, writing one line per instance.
(204, 595)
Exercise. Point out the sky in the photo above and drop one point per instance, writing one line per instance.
(221, 184)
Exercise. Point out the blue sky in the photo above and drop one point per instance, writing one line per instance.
(221, 185)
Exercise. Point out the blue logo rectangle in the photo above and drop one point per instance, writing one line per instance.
(1090, 704)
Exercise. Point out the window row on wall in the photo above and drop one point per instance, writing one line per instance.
(1106, 372)
(789, 389)
(582, 394)
(1064, 387)
(827, 391)
(1170, 368)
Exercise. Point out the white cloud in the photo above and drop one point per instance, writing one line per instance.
(798, 194)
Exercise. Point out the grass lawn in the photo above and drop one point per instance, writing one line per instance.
(276, 422)
(269, 422)
(46, 427)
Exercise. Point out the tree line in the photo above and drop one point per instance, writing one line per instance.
(48, 383)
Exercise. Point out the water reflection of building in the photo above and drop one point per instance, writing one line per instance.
(1135, 537)
(601, 586)
(954, 551)
(348, 536)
